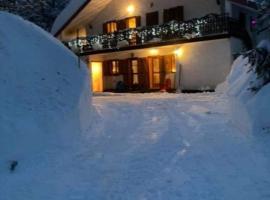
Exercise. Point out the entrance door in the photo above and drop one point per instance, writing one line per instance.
(137, 74)
(97, 80)
(134, 74)
(156, 68)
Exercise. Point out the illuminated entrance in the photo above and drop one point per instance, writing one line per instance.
(97, 74)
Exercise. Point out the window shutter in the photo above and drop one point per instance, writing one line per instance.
(105, 30)
(166, 16)
(152, 19)
(121, 24)
(106, 68)
(179, 13)
(123, 68)
(176, 13)
(138, 21)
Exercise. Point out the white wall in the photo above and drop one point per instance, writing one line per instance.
(204, 64)
(117, 9)
(237, 46)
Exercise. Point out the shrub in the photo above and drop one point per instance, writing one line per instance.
(259, 59)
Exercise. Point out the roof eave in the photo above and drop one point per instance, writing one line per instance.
(72, 18)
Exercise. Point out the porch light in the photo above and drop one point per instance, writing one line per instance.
(154, 52)
(179, 52)
(130, 9)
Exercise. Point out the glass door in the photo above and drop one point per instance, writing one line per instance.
(156, 67)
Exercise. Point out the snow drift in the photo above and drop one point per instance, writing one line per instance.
(250, 110)
(44, 105)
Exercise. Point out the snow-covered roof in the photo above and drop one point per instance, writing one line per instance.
(78, 12)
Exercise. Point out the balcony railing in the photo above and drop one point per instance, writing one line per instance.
(211, 24)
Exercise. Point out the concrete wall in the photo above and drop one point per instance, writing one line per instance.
(117, 10)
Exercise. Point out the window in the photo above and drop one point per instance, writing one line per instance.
(156, 72)
(169, 62)
(135, 72)
(131, 22)
(110, 27)
(176, 13)
(152, 19)
(115, 67)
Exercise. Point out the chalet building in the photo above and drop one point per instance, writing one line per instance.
(153, 45)
(246, 11)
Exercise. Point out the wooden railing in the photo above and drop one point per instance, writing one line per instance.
(211, 24)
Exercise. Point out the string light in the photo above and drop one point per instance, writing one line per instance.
(173, 30)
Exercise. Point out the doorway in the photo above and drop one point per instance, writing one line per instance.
(156, 72)
(97, 76)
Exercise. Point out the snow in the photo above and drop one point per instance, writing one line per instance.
(66, 14)
(249, 110)
(265, 44)
(125, 146)
(151, 146)
(44, 106)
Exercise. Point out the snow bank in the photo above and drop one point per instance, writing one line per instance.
(250, 110)
(44, 105)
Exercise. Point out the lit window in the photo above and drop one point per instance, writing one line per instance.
(156, 79)
(135, 66)
(115, 67)
(111, 27)
(135, 79)
(135, 72)
(131, 22)
(169, 62)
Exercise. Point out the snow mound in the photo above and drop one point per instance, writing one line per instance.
(45, 100)
(250, 111)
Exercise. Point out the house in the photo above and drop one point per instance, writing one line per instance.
(248, 13)
(152, 45)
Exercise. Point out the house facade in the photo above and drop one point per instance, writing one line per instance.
(247, 12)
(152, 45)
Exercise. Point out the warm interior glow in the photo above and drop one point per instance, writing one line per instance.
(174, 68)
(179, 52)
(111, 27)
(131, 9)
(97, 82)
(154, 51)
(132, 23)
(115, 67)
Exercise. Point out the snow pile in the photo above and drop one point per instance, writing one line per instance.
(44, 105)
(250, 110)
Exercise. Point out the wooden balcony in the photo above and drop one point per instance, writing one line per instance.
(209, 27)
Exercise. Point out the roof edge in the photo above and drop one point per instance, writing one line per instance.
(71, 18)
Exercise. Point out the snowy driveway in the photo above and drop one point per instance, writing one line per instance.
(167, 146)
